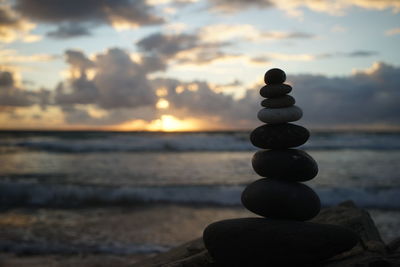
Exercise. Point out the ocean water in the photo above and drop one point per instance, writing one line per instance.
(127, 193)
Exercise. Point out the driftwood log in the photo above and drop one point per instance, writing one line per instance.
(370, 252)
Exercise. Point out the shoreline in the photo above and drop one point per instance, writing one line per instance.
(164, 223)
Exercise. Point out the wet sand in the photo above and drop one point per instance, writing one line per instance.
(116, 236)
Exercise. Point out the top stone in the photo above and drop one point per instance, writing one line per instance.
(274, 76)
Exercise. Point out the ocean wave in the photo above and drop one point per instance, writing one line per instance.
(46, 247)
(76, 196)
(233, 141)
(124, 143)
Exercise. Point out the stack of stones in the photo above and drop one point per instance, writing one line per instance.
(281, 237)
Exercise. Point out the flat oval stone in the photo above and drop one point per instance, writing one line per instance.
(280, 115)
(278, 102)
(285, 164)
(263, 242)
(275, 90)
(275, 76)
(275, 136)
(279, 199)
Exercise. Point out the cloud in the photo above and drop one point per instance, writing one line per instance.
(209, 44)
(361, 53)
(74, 18)
(174, 2)
(6, 79)
(14, 62)
(77, 59)
(168, 45)
(14, 28)
(335, 7)
(369, 97)
(366, 97)
(11, 56)
(11, 96)
(121, 91)
(225, 32)
(69, 31)
(198, 99)
(356, 53)
(183, 48)
(230, 6)
(118, 81)
(394, 31)
(82, 115)
(267, 57)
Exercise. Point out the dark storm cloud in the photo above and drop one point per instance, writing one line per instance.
(75, 17)
(6, 19)
(205, 103)
(78, 59)
(365, 98)
(362, 98)
(55, 11)
(10, 23)
(168, 45)
(69, 31)
(6, 79)
(82, 91)
(119, 82)
(183, 48)
(153, 64)
(12, 96)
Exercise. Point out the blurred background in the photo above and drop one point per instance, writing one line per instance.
(124, 124)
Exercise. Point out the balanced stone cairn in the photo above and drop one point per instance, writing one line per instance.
(282, 238)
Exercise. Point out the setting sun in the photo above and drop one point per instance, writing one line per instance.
(169, 123)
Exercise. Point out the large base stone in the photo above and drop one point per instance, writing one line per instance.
(265, 242)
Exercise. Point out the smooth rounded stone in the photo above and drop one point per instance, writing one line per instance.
(280, 115)
(275, 90)
(279, 199)
(275, 76)
(285, 164)
(275, 136)
(279, 102)
(263, 242)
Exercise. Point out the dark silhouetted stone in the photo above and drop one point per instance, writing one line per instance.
(278, 102)
(280, 115)
(275, 76)
(275, 90)
(279, 199)
(274, 136)
(263, 242)
(286, 164)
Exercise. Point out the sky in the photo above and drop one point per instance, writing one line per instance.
(188, 65)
